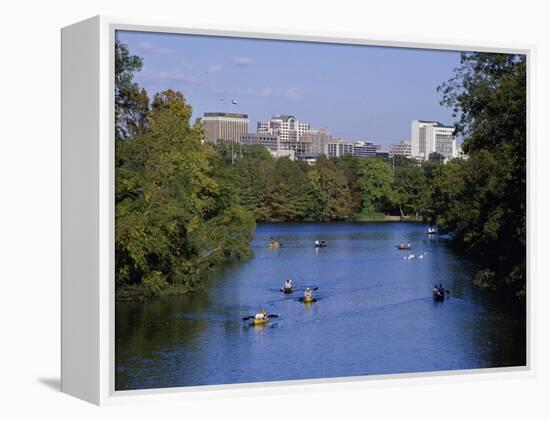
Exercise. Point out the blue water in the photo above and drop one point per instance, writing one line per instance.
(374, 314)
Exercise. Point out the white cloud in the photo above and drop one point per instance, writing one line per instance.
(242, 61)
(294, 94)
(214, 68)
(173, 77)
(151, 48)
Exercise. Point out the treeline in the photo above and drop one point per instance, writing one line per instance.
(182, 206)
(345, 188)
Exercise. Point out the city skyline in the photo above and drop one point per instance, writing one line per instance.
(356, 92)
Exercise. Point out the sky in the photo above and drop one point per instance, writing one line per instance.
(356, 92)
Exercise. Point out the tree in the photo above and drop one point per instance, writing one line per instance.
(436, 157)
(375, 180)
(330, 190)
(176, 213)
(289, 192)
(253, 180)
(131, 102)
(411, 190)
(487, 212)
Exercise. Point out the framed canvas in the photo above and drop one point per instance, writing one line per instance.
(244, 209)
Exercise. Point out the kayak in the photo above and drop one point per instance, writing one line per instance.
(287, 290)
(404, 248)
(259, 322)
(274, 245)
(320, 244)
(308, 299)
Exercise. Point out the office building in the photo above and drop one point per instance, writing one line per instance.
(316, 142)
(365, 149)
(402, 148)
(339, 148)
(432, 136)
(289, 130)
(224, 126)
(270, 141)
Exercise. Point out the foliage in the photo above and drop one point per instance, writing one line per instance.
(411, 190)
(483, 200)
(175, 215)
(131, 102)
(375, 180)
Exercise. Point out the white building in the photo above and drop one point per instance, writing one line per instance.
(402, 148)
(289, 130)
(339, 148)
(432, 136)
(360, 149)
(224, 126)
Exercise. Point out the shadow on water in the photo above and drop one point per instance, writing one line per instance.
(374, 314)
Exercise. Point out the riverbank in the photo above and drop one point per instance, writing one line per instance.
(142, 293)
(381, 217)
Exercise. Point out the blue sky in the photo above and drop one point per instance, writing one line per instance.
(356, 92)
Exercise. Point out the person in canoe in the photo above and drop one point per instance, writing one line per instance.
(261, 315)
(308, 295)
(438, 292)
(287, 286)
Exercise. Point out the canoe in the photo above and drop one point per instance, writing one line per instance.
(259, 322)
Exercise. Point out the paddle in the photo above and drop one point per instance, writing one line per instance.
(252, 317)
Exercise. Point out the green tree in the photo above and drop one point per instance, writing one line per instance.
(289, 192)
(411, 190)
(253, 180)
(176, 216)
(330, 191)
(375, 179)
(349, 166)
(487, 209)
(131, 102)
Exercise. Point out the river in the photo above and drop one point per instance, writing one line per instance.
(374, 315)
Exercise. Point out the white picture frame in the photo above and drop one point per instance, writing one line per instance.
(88, 212)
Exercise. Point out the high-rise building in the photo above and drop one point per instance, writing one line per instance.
(224, 126)
(432, 136)
(316, 142)
(402, 148)
(289, 130)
